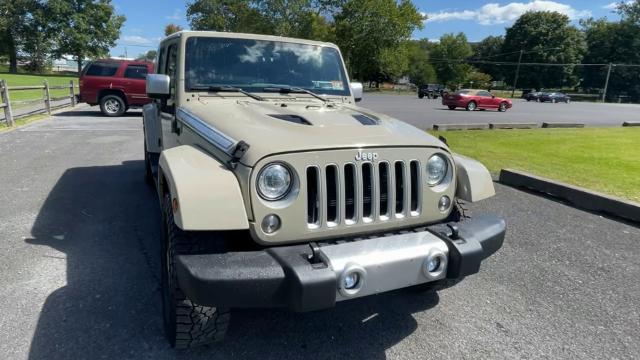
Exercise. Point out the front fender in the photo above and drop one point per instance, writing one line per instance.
(474, 180)
(208, 194)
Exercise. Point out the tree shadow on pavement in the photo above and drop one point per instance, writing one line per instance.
(107, 222)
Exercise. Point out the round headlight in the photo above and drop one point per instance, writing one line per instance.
(274, 182)
(436, 169)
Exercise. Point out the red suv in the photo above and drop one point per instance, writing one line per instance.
(116, 85)
(475, 99)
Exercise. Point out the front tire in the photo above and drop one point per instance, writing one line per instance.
(112, 105)
(421, 96)
(502, 107)
(471, 106)
(187, 324)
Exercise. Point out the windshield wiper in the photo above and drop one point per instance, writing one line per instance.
(226, 88)
(289, 90)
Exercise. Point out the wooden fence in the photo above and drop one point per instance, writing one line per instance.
(45, 101)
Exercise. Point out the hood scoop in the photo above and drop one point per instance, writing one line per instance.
(296, 119)
(366, 120)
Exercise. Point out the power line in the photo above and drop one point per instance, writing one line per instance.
(527, 63)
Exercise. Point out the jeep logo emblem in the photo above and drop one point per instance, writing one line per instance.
(364, 156)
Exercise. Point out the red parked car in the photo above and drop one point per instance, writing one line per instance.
(475, 99)
(116, 85)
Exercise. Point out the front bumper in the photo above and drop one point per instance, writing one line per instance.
(306, 278)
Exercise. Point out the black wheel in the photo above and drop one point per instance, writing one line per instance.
(451, 107)
(112, 105)
(502, 107)
(471, 106)
(187, 324)
(553, 101)
(421, 95)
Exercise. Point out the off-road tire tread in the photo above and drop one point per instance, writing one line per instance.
(196, 325)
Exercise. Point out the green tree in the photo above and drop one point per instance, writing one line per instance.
(171, 28)
(13, 16)
(613, 42)
(477, 79)
(148, 56)
(37, 41)
(87, 28)
(420, 70)
(544, 37)
(449, 57)
(489, 50)
(369, 30)
(227, 15)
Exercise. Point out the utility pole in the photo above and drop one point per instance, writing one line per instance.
(515, 79)
(606, 83)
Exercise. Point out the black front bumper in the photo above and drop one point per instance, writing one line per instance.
(285, 277)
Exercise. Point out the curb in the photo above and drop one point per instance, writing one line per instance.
(445, 127)
(513, 125)
(561, 125)
(631, 123)
(580, 197)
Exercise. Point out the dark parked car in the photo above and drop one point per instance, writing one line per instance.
(475, 99)
(533, 96)
(115, 85)
(555, 97)
(431, 91)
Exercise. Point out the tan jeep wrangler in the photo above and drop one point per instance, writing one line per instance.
(277, 190)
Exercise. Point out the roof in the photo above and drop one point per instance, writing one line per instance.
(232, 35)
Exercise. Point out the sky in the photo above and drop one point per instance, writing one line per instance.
(478, 19)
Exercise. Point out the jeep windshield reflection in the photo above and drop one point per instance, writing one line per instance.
(263, 66)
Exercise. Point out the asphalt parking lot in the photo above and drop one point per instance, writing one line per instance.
(79, 265)
(423, 113)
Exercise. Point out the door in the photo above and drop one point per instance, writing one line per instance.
(134, 84)
(169, 66)
(485, 100)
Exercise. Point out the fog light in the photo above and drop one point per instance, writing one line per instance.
(433, 264)
(270, 224)
(444, 203)
(351, 280)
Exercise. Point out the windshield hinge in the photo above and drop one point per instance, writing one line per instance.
(237, 154)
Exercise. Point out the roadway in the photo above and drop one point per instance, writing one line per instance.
(423, 113)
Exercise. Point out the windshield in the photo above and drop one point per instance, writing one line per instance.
(253, 65)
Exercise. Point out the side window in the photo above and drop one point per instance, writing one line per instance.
(484, 93)
(102, 69)
(170, 70)
(161, 60)
(136, 72)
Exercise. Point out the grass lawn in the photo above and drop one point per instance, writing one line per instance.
(601, 159)
(21, 121)
(34, 80)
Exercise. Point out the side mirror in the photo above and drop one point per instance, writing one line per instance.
(356, 91)
(158, 86)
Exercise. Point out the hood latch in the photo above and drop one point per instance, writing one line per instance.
(237, 154)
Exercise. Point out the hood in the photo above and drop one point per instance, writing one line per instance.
(272, 127)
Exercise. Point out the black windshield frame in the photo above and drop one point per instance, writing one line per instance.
(267, 63)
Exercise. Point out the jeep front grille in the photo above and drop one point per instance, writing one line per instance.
(349, 194)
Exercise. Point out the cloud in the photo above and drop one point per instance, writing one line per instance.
(177, 15)
(614, 5)
(493, 13)
(140, 40)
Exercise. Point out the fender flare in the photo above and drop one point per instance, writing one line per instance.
(207, 193)
(473, 178)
